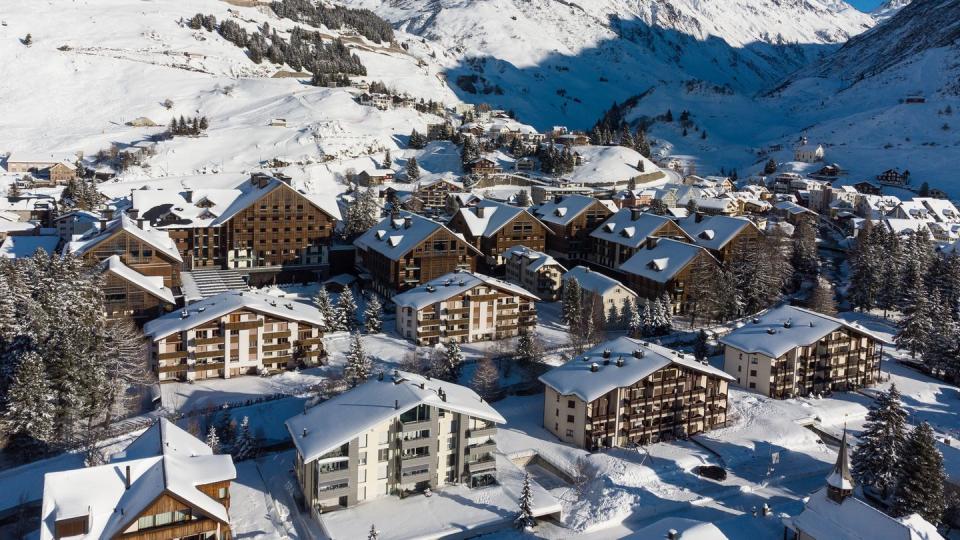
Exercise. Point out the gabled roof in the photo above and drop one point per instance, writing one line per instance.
(840, 476)
(538, 258)
(622, 229)
(163, 437)
(158, 239)
(395, 237)
(857, 520)
(495, 216)
(150, 284)
(14, 247)
(41, 157)
(714, 232)
(595, 282)
(565, 211)
(340, 419)
(662, 262)
(783, 328)
(452, 284)
(639, 360)
(217, 306)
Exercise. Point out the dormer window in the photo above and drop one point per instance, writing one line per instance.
(658, 265)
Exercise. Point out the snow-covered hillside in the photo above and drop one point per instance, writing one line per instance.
(558, 61)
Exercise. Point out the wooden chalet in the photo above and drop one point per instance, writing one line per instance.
(494, 228)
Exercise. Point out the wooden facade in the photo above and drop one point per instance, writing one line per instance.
(435, 195)
(439, 253)
(180, 519)
(572, 240)
(611, 254)
(138, 254)
(676, 286)
(522, 230)
(122, 299)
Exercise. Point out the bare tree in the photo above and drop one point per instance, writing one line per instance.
(126, 362)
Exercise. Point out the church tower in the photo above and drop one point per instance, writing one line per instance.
(840, 482)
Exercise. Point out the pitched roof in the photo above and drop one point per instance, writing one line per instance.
(539, 258)
(160, 240)
(495, 216)
(621, 228)
(163, 437)
(395, 237)
(219, 305)
(714, 232)
(565, 211)
(663, 261)
(783, 328)
(595, 282)
(452, 284)
(840, 476)
(639, 360)
(857, 520)
(151, 284)
(15, 247)
(340, 419)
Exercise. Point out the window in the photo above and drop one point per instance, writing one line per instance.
(222, 493)
(362, 458)
(363, 441)
(569, 418)
(571, 404)
(165, 518)
(753, 385)
(145, 522)
(569, 433)
(383, 454)
(753, 373)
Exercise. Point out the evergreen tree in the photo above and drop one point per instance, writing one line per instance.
(417, 140)
(822, 299)
(246, 444)
(921, 480)
(525, 517)
(212, 440)
(647, 314)
(701, 348)
(326, 309)
(371, 315)
(626, 139)
(358, 366)
(942, 354)
(387, 160)
(917, 327)
(636, 325)
(413, 170)
(806, 261)
(770, 167)
(571, 303)
(29, 414)
(469, 152)
(662, 315)
(658, 207)
(451, 362)
(876, 459)
(374, 534)
(363, 214)
(865, 266)
(347, 311)
(486, 379)
(528, 349)
(523, 199)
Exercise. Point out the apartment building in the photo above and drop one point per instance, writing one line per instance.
(790, 351)
(234, 333)
(435, 194)
(464, 307)
(406, 249)
(128, 293)
(535, 271)
(261, 227)
(393, 435)
(142, 248)
(494, 228)
(627, 391)
(166, 485)
(571, 219)
(664, 265)
(623, 234)
(721, 235)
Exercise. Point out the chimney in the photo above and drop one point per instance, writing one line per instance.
(652, 242)
(698, 217)
(107, 213)
(619, 361)
(127, 478)
(481, 211)
(672, 534)
(140, 223)
(133, 213)
(396, 404)
(557, 199)
(635, 214)
(304, 432)
(606, 353)
(594, 367)
(407, 222)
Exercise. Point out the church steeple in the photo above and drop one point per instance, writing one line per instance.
(840, 481)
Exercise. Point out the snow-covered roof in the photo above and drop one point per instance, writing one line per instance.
(163, 437)
(901, 226)
(15, 247)
(495, 216)
(160, 240)
(340, 419)
(781, 329)
(942, 210)
(41, 157)
(16, 226)
(395, 237)
(452, 284)
(151, 284)
(538, 258)
(565, 211)
(595, 282)
(610, 164)
(661, 261)
(793, 208)
(809, 147)
(714, 232)
(621, 228)
(101, 493)
(620, 362)
(857, 520)
(378, 172)
(217, 306)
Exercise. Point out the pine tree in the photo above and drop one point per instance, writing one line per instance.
(387, 160)
(647, 316)
(920, 488)
(822, 299)
(571, 303)
(528, 349)
(451, 362)
(246, 444)
(29, 414)
(865, 266)
(486, 379)
(374, 534)
(658, 207)
(917, 327)
(806, 261)
(327, 312)
(212, 440)
(663, 315)
(413, 170)
(770, 167)
(347, 311)
(371, 315)
(358, 366)
(523, 198)
(525, 517)
(636, 323)
(701, 348)
(876, 459)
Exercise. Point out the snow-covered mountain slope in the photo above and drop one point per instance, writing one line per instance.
(888, 9)
(95, 65)
(560, 61)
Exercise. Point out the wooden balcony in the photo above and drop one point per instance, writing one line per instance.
(208, 340)
(209, 354)
(207, 366)
(243, 325)
(277, 347)
(172, 355)
(276, 335)
(310, 341)
(174, 368)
